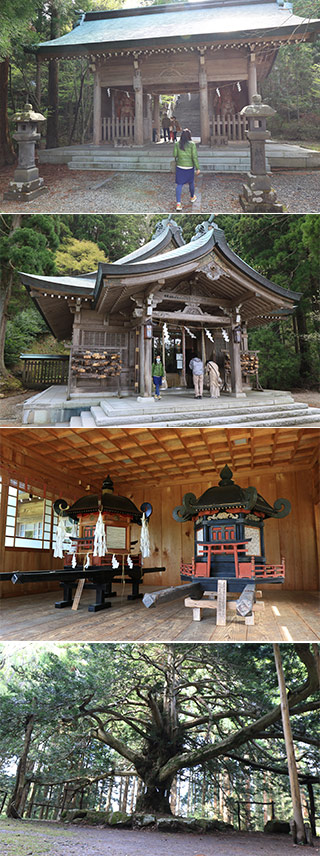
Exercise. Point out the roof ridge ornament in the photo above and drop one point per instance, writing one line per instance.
(226, 476)
(161, 225)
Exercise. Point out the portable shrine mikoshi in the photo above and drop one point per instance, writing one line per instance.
(229, 536)
(98, 549)
(228, 545)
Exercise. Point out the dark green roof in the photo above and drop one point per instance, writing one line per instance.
(179, 23)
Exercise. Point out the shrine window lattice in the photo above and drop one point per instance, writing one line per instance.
(103, 339)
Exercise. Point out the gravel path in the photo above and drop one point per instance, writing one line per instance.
(78, 191)
(46, 839)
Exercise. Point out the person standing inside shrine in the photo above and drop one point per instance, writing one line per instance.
(175, 128)
(196, 366)
(166, 127)
(215, 381)
(157, 375)
(187, 165)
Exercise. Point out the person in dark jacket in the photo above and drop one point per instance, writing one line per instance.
(166, 127)
(186, 158)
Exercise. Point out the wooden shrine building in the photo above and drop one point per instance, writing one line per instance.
(200, 294)
(220, 49)
(157, 466)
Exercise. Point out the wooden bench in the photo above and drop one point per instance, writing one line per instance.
(221, 601)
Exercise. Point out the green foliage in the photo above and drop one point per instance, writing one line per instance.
(77, 257)
(22, 331)
(279, 366)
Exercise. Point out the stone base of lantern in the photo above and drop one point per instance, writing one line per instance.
(25, 191)
(258, 195)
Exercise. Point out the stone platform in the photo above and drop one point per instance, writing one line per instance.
(156, 157)
(177, 408)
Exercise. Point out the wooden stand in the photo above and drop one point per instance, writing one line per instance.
(220, 601)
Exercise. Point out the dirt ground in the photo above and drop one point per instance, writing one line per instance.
(32, 838)
(142, 192)
(11, 405)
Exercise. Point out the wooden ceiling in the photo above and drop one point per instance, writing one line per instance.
(81, 458)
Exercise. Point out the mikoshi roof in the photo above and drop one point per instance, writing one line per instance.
(205, 266)
(228, 495)
(92, 503)
(180, 23)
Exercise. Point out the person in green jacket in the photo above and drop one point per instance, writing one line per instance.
(157, 375)
(186, 158)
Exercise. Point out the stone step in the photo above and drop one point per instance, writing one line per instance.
(281, 415)
(195, 412)
(87, 420)
(296, 416)
(75, 422)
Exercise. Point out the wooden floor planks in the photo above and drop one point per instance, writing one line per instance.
(287, 615)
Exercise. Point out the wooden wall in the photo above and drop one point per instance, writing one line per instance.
(294, 537)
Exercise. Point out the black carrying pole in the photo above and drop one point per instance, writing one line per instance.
(172, 593)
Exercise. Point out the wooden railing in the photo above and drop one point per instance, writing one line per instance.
(41, 370)
(117, 129)
(229, 126)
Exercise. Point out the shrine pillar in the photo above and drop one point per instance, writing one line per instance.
(147, 362)
(235, 364)
(184, 368)
(204, 106)
(97, 109)
(156, 114)
(138, 113)
(147, 121)
(141, 361)
(252, 76)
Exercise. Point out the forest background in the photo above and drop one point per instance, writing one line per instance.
(156, 728)
(284, 248)
(292, 88)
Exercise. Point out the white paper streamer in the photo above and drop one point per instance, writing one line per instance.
(99, 543)
(129, 562)
(189, 333)
(207, 332)
(115, 563)
(60, 537)
(166, 337)
(87, 562)
(225, 335)
(144, 538)
(74, 561)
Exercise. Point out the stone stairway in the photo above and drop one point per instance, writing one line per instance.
(158, 158)
(164, 416)
(187, 111)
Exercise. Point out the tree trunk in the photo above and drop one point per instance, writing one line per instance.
(53, 86)
(312, 809)
(6, 282)
(155, 799)
(16, 799)
(305, 365)
(292, 766)
(7, 155)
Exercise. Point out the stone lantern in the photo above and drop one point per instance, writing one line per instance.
(26, 184)
(257, 194)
